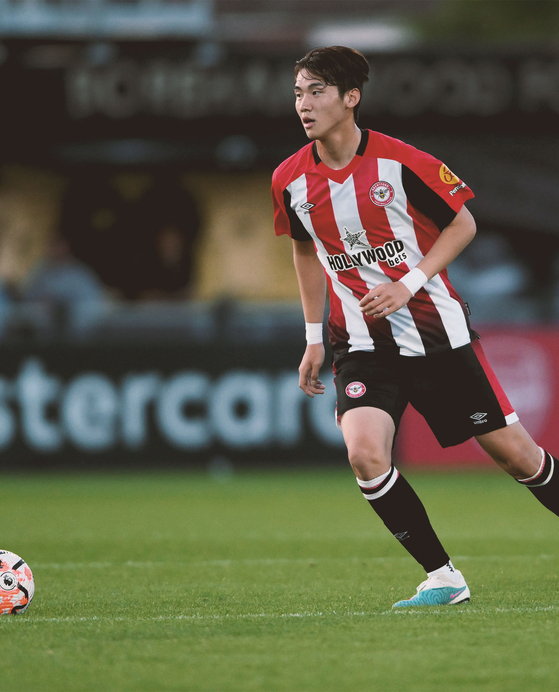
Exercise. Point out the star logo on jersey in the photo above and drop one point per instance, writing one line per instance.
(353, 239)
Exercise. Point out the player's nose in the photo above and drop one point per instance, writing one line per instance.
(304, 103)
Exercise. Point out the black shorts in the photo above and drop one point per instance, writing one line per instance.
(455, 391)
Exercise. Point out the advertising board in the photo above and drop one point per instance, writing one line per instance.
(86, 407)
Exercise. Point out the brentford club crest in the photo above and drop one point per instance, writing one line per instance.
(355, 389)
(381, 193)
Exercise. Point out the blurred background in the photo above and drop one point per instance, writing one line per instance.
(148, 315)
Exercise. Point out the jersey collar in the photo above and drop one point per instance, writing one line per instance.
(341, 175)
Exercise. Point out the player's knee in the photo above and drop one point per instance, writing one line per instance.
(368, 460)
(519, 466)
(514, 451)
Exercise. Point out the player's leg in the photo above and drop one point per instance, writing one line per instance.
(508, 444)
(369, 434)
(515, 452)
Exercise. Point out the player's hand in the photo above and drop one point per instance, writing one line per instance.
(385, 299)
(309, 369)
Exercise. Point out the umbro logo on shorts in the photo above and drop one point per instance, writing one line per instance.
(479, 418)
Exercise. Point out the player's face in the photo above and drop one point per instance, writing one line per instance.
(319, 106)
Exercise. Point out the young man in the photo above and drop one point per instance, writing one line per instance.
(378, 222)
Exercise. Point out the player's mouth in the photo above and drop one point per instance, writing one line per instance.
(307, 122)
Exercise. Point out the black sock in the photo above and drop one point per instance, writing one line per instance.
(403, 514)
(545, 485)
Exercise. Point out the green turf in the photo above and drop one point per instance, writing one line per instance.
(273, 581)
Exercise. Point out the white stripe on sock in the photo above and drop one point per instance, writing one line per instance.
(540, 470)
(376, 482)
(538, 485)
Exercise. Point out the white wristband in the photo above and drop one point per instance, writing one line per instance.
(313, 331)
(414, 280)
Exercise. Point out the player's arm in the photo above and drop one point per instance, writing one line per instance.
(312, 286)
(386, 298)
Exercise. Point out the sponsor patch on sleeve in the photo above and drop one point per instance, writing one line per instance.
(447, 176)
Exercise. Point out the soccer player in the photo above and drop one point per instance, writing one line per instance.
(378, 222)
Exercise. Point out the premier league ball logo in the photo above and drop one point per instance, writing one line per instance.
(16, 584)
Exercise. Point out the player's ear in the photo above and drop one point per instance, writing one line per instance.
(352, 98)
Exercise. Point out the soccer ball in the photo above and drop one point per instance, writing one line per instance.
(16, 584)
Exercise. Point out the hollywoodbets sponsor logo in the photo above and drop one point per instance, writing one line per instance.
(392, 252)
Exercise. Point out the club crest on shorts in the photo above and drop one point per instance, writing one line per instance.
(355, 389)
(381, 193)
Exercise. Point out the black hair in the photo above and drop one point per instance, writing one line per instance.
(337, 66)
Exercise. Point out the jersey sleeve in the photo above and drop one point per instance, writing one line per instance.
(286, 221)
(433, 189)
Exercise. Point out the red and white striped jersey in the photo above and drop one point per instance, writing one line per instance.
(372, 222)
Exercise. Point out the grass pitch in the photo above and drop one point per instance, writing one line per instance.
(273, 581)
